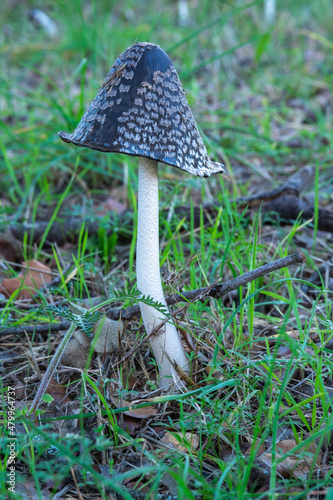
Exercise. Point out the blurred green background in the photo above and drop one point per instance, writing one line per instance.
(241, 78)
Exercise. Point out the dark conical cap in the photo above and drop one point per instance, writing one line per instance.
(141, 110)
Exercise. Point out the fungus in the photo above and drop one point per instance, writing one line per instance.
(141, 110)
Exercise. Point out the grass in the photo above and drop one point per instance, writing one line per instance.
(257, 421)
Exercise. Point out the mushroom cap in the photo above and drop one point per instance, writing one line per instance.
(141, 110)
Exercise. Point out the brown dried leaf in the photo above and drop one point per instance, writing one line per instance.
(58, 392)
(111, 205)
(108, 331)
(137, 486)
(77, 350)
(295, 464)
(28, 490)
(248, 449)
(9, 247)
(19, 389)
(172, 441)
(288, 444)
(33, 276)
(145, 412)
(128, 424)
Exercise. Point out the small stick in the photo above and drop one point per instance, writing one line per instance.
(216, 290)
(51, 368)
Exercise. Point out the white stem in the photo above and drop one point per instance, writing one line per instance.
(183, 13)
(148, 275)
(269, 11)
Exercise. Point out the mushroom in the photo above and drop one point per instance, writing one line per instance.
(141, 110)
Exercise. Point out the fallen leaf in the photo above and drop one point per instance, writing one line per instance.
(56, 412)
(288, 444)
(108, 331)
(76, 351)
(128, 424)
(134, 464)
(145, 412)
(249, 447)
(296, 464)
(170, 483)
(33, 276)
(58, 392)
(176, 442)
(19, 389)
(27, 489)
(9, 247)
(111, 205)
(137, 486)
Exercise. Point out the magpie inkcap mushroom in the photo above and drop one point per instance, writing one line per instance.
(141, 110)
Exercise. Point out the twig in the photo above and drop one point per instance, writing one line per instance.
(219, 290)
(216, 290)
(47, 327)
(51, 368)
(294, 185)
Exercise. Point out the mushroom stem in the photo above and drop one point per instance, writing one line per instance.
(167, 340)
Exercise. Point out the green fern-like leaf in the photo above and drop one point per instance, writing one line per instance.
(84, 322)
(121, 295)
(134, 296)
